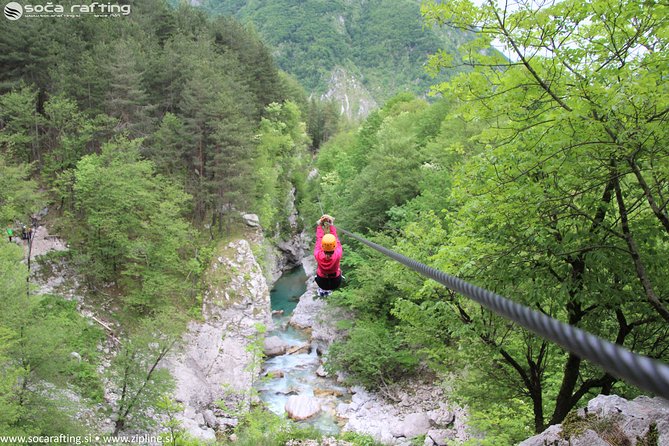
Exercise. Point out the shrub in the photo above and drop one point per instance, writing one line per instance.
(260, 427)
(372, 355)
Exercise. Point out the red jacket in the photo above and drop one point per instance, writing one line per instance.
(327, 267)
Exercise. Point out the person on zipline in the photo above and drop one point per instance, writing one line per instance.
(328, 252)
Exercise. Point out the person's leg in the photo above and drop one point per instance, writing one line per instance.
(323, 286)
(320, 284)
(326, 285)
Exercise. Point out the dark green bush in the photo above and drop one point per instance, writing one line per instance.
(372, 355)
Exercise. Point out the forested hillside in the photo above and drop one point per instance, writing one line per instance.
(384, 44)
(140, 140)
(544, 180)
(144, 137)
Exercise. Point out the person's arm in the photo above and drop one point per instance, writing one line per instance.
(339, 251)
(319, 237)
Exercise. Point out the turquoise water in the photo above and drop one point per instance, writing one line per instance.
(299, 369)
(287, 290)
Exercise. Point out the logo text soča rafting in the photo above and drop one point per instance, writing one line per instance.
(97, 8)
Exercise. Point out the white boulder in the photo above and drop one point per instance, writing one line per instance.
(301, 407)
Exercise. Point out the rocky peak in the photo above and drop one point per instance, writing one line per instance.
(348, 91)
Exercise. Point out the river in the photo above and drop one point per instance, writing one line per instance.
(299, 369)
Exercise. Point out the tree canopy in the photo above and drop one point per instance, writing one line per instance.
(544, 180)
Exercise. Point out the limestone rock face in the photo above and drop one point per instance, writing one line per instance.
(301, 407)
(438, 437)
(630, 419)
(289, 252)
(421, 410)
(551, 435)
(413, 425)
(212, 362)
(347, 90)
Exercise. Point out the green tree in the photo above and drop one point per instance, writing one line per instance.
(18, 194)
(282, 150)
(27, 49)
(132, 229)
(373, 355)
(323, 121)
(68, 135)
(136, 374)
(39, 333)
(127, 99)
(562, 209)
(169, 148)
(12, 283)
(19, 139)
(222, 128)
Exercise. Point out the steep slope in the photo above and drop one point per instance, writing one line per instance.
(359, 52)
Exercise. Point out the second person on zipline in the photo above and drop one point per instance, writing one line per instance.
(328, 252)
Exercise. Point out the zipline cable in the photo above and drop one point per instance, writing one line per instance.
(642, 371)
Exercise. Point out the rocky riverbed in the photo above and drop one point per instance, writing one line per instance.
(416, 408)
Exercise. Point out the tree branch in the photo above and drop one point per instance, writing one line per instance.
(662, 216)
(525, 62)
(636, 257)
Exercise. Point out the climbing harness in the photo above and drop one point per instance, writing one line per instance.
(642, 371)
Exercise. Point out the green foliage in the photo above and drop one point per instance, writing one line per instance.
(359, 439)
(39, 334)
(373, 355)
(606, 427)
(168, 147)
(260, 427)
(540, 204)
(139, 131)
(365, 177)
(135, 373)
(501, 423)
(18, 194)
(651, 438)
(131, 229)
(12, 284)
(533, 180)
(152, 76)
(383, 42)
(282, 154)
(75, 334)
(126, 99)
(170, 408)
(69, 135)
(19, 136)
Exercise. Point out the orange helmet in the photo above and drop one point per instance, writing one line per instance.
(328, 242)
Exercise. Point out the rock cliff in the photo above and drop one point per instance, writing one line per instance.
(611, 420)
(215, 368)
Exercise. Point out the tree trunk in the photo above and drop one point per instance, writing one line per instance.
(563, 403)
(119, 425)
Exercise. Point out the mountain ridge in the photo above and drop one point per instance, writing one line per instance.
(379, 47)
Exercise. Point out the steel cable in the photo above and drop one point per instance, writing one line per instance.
(642, 371)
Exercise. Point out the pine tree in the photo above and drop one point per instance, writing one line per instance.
(126, 98)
